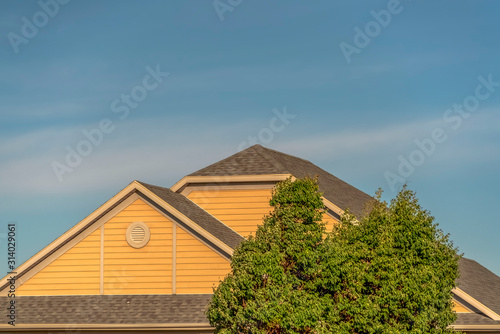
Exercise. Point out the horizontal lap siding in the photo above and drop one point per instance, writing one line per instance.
(76, 272)
(146, 270)
(459, 308)
(127, 270)
(329, 221)
(198, 268)
(242, 210)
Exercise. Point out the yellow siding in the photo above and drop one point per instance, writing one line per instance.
(149, 270)
(76, 272)
(127, 270)
(329, 221)
(146, 270)
(459, 308)
(242, 210)
(198, 268)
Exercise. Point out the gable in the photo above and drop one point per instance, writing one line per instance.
(104, 263)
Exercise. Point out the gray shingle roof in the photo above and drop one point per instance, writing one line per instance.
(112, 309)
(135, 309)
(201, 217)
(475, 280)
(480, 283)
(258, 160)
(190, 309)
(474, 319)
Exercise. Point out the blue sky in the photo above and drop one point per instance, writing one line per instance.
(358, 116)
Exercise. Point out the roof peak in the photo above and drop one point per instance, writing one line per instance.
(258, 146)
(260, 160)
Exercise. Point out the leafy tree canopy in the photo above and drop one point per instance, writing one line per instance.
(390, 272)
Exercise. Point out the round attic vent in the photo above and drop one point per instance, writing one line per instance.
(138, 234)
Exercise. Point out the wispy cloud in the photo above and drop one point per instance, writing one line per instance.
(148, 150)
(158, 150)
(373, 150)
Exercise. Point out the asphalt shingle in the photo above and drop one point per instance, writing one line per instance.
(258, 160)
(474, 319)
(110, 309)
(479, 283)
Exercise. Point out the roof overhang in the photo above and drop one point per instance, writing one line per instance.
(474, 302)
(228, 179)
(477, 328)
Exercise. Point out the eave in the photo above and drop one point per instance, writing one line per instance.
(474, 302)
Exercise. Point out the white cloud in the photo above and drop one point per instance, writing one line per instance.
(147, 150)
(164, 150)
(375, 150)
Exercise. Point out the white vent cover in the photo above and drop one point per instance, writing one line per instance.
(138, 234)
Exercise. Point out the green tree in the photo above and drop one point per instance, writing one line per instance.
(391, 272)
(271, 288)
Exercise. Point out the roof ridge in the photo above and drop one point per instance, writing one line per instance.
(217, 162)
(260, 160)
(261, 150)
(306, 161)
(151, 185)
(281, 153)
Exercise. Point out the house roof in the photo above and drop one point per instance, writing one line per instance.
(201, 217)
(476, 280)
(219, 236)
(474, 319)
(480, 283)
(258, 160)
(111, 309)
